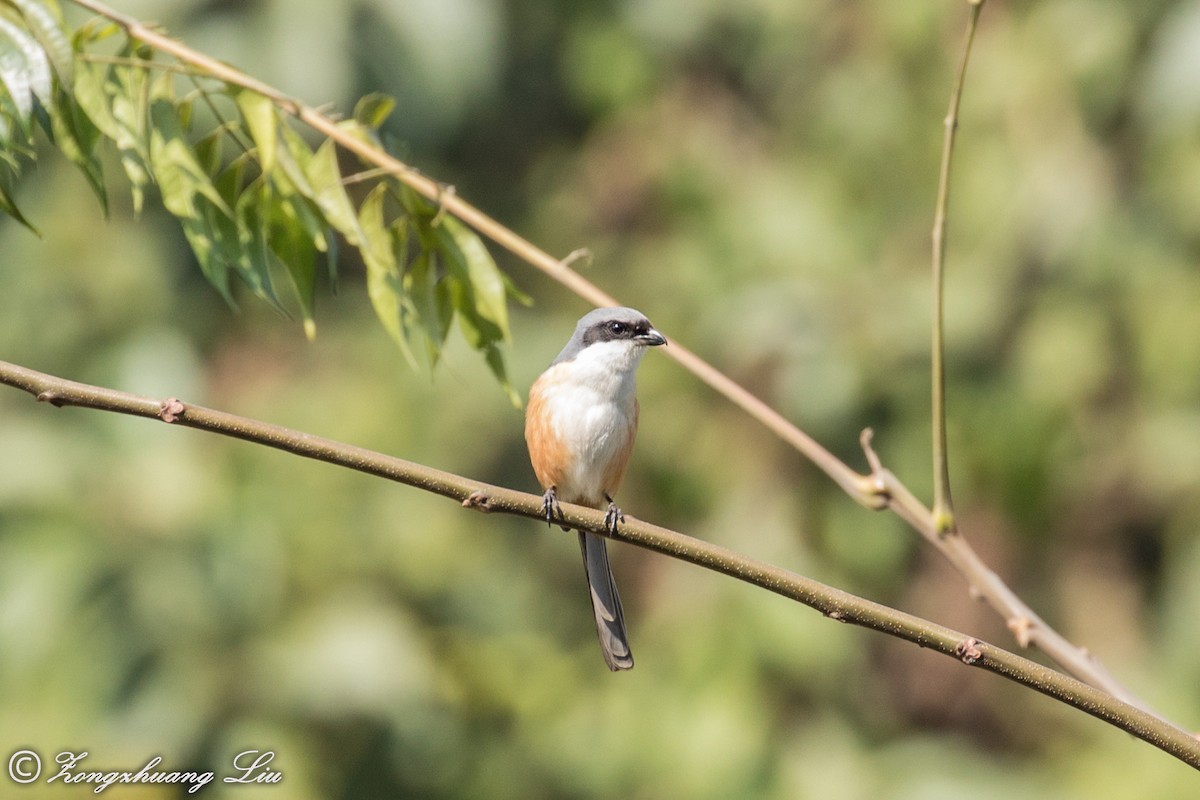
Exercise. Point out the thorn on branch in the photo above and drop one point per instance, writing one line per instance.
(171, 410)
(968, 651)
(478, 500)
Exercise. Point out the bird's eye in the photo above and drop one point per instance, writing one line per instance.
(618, 328)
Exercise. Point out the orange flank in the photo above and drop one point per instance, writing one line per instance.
(547, 451)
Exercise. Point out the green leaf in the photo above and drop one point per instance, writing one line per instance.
(39, 77)
(373, 109)
(9, 206)
(92, 97)
(260, 116)
(421, 286)
(210, 241)
(515, 292)
(443, 295)
(416, 205)
(44, 20)
(6, 131)
(77, 138)
(298, 216)
(468, 258)
(325, 189)
(474, 329)
(300, 207)
(228, 182)
(183, 108)
(126, 90)
(221, 239)
(15, 134)
(253, 261)
(95, 30)
(471, 288)
(495, 360)
(295, 248)
(329, 194)
(115, 100)
(383, 275)
(294, 159)
(209, 150)
(24, 67)
(174, 164)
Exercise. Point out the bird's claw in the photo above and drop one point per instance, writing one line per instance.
(613, 516)
(550, 506)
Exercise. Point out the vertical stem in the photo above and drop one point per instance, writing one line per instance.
(943, 507)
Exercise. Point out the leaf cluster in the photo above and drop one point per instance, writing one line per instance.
(256, 201)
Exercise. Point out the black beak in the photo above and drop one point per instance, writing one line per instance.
(651, 338)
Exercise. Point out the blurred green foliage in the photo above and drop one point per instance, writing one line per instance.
(758, 178)
(272, 213)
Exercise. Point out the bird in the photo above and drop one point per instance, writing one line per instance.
(580, 425)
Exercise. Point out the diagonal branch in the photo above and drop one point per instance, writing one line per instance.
(833, 603)
(878, 489)
(451, 202)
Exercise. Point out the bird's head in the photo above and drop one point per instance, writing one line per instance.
(612, 338)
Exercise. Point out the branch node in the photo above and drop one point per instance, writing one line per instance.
(578, 254)
(968, 651)
(836, 614)
(444, 192)
(1022, 630)
(171, 410)
(50, 396)
(328, 110)
(944, 524)
(874, 485)
(478, 500)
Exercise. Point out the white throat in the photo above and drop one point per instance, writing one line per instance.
(609, 368)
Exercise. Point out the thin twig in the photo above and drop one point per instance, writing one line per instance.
(146, 64)
(833, 603)
(943, 506)
(864, 489)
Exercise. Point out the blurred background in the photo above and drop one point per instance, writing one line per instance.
(759, 179)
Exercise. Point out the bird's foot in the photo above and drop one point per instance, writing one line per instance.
(550, 506)
(613, 516)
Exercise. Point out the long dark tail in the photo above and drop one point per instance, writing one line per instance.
(606, 603)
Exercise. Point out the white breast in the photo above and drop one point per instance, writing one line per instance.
(591, 401)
